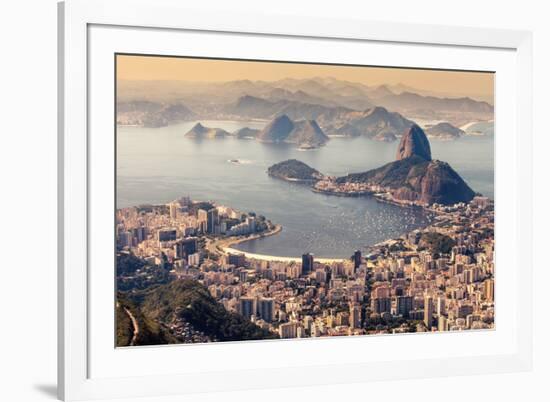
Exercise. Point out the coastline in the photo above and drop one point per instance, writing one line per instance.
(342, 194)
(378, 196)
(226, 247)
(274, 258)
(308, 182)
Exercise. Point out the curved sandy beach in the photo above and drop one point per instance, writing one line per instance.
(227, 249)
(265, 257)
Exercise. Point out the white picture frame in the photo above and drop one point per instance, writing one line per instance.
(80, 34)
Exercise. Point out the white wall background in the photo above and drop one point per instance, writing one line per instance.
(28, 198)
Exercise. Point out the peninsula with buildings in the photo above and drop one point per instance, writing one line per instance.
(413, 179)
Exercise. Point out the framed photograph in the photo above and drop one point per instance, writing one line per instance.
(253, 201)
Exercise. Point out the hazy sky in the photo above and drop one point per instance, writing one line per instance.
(186, 69)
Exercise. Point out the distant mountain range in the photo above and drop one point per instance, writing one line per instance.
(400, 88)
(327, 100)
(408, 101)
(251, 107)
(376, 123)
(152, 114)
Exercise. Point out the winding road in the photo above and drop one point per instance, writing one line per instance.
(135, 324)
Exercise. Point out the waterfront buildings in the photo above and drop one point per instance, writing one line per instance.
(440, 277)
(307, 263)
(357, 259)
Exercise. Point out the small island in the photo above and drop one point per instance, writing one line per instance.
(201, 132)
(295, 171)
(246, 133)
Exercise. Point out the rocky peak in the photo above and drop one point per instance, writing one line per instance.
(247, 100)
(282, 120)
(277, 130)
(377, 111)
(414, 142)
(198, 128)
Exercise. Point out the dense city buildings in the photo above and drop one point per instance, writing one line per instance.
(438, 278)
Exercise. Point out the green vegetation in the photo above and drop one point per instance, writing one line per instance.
(128, 264)
(393, 174)
(150, 332)
(134, 273)
(436, 242)
(416, 179)
(191, 301)
(150, 276)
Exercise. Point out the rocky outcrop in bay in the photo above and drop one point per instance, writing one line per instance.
(201, 132)
(414, 176)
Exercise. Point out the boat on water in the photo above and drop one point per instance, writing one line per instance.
(305, 147)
